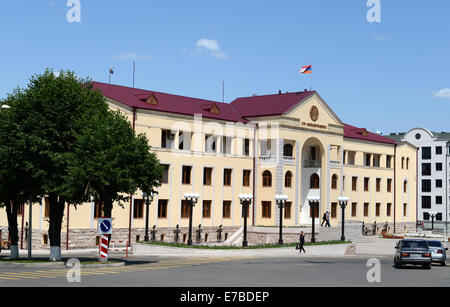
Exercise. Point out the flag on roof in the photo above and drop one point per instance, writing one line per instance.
(306, 69)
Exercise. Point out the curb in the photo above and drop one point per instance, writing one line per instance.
(43, 264)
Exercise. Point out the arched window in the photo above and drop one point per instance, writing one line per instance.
(288, 180)
(267, 179)
(405, 186)
(314, 183)
(407, 163)
(334, 182)
(403, 162)
(287, 150)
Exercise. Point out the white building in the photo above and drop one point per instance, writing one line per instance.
(433, 178)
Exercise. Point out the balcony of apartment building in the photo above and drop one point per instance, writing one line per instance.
(313, 156)
(271, 152)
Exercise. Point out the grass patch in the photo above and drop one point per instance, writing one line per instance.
(240, 247)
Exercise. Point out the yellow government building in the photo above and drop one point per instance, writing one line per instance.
(286, 143)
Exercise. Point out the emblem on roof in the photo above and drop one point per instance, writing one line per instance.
(314, 113)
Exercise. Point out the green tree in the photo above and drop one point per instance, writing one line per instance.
(112, 162)
(50, 113)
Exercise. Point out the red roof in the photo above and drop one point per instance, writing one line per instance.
(237, 111)
(269, 104)
(352, 132)
(136, 98)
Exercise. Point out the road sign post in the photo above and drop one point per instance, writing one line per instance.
(104, 230)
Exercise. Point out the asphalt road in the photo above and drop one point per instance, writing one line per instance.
(232, 272)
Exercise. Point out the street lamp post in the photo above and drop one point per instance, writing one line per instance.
(245, 200)
(313, 202)
(148, 199)
(192, 199)
(281, 202)
(433, 215)
(343, 203)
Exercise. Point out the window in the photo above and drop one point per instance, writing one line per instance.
(47, 207)
(438, 183)
(438, 167)
(376, 160)
(389, 185)
(378, 184)
(405, 209)
(426, 185)
(20, 209)
(366, 184)
(210, 143)
(247, 147)
(426, 202)
(439, 217)
(388, 209)
(98, 209)
(287, 150)
(167, 138)
(439, 150)
(407, 163)
(343, 183)
(377, 209)
(226, 209)
(267, 179)
(426, 153)
(367, 158)
(405, 186)
(162, 208)
(334, 181)
(426, 216)
(354, 209)
(206, 210)
(187, 174)
(288, 180)
(165, 174)
(438, 200)
(388, 161)
(287, 210)
(185, 209)
(316, 212)
(366, 209)
(266, 209)
(138, 209)
(333, 210)
(207, 176)
(403, 162)
(314, 182)
(426, 169)
(246, 178)
(227, 177)
(354, 183)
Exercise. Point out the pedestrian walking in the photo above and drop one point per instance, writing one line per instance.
(324, 219)
(301, 242)
(328, 220)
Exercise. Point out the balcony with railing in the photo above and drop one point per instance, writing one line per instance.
(312, 164)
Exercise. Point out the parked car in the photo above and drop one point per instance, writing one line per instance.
(412, 251)
(438, 252)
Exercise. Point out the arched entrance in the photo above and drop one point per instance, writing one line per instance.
(313, 160)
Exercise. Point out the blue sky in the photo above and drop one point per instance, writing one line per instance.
(389, 76)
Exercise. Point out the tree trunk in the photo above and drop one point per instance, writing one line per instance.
(107, 211)
(11, 212)
(57, 205)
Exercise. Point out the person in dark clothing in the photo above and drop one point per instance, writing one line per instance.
(324, 219)
(302, 242)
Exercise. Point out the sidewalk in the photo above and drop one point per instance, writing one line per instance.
(165, 251)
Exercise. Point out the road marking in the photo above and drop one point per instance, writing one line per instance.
(161, 265)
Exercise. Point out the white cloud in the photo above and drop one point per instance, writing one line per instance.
(209, 46)
(444, 93)
(131, 56)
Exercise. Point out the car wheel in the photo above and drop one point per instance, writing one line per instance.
(443, 263)
(426, 266)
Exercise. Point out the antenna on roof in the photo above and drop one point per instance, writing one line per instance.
(111, 72)
(134, 71)
(223, 91)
